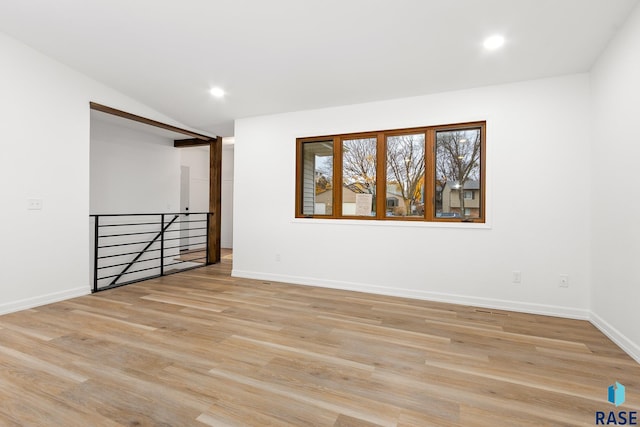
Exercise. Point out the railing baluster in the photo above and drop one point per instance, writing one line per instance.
(162, 244)
(96, 231)
(206, 247)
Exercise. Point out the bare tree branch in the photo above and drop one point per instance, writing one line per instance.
(359, 163)
(405, 166)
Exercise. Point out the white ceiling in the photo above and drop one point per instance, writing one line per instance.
(287, 55)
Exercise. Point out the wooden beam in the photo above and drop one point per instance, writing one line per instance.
(215, 198)
(150, 122)
(191, 142)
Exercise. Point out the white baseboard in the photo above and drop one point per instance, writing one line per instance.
(27, 303)
(497, 304)
(616, 336)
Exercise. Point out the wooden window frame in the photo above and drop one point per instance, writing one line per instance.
(429, 214)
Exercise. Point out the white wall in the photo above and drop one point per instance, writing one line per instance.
(197, 160)
(45, 155)
(226, 233)
(132, 171)
(538, 202)
(616, 149)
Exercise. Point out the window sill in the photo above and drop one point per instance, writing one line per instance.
(394, 223)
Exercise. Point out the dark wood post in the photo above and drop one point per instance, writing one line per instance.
(215, 195)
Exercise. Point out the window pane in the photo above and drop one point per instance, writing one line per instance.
(405, 175)
(359, 177)
(458, 183)
(317, 178)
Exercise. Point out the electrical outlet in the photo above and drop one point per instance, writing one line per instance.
(516, 277)
(564, 281)
(34, 204)
(277, 257)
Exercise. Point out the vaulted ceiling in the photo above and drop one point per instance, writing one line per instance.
(287, 55)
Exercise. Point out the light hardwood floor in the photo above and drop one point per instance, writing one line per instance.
(202, 348)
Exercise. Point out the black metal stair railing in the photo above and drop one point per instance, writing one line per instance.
(129, 248)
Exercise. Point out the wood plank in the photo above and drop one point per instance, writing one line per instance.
(203, 348)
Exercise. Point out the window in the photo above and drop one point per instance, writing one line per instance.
(458, 167)
(359, 176)
(317, 177)
(405, 173)
(424, 174)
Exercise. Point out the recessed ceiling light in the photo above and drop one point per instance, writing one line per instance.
(217, 92)
(493, 42)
